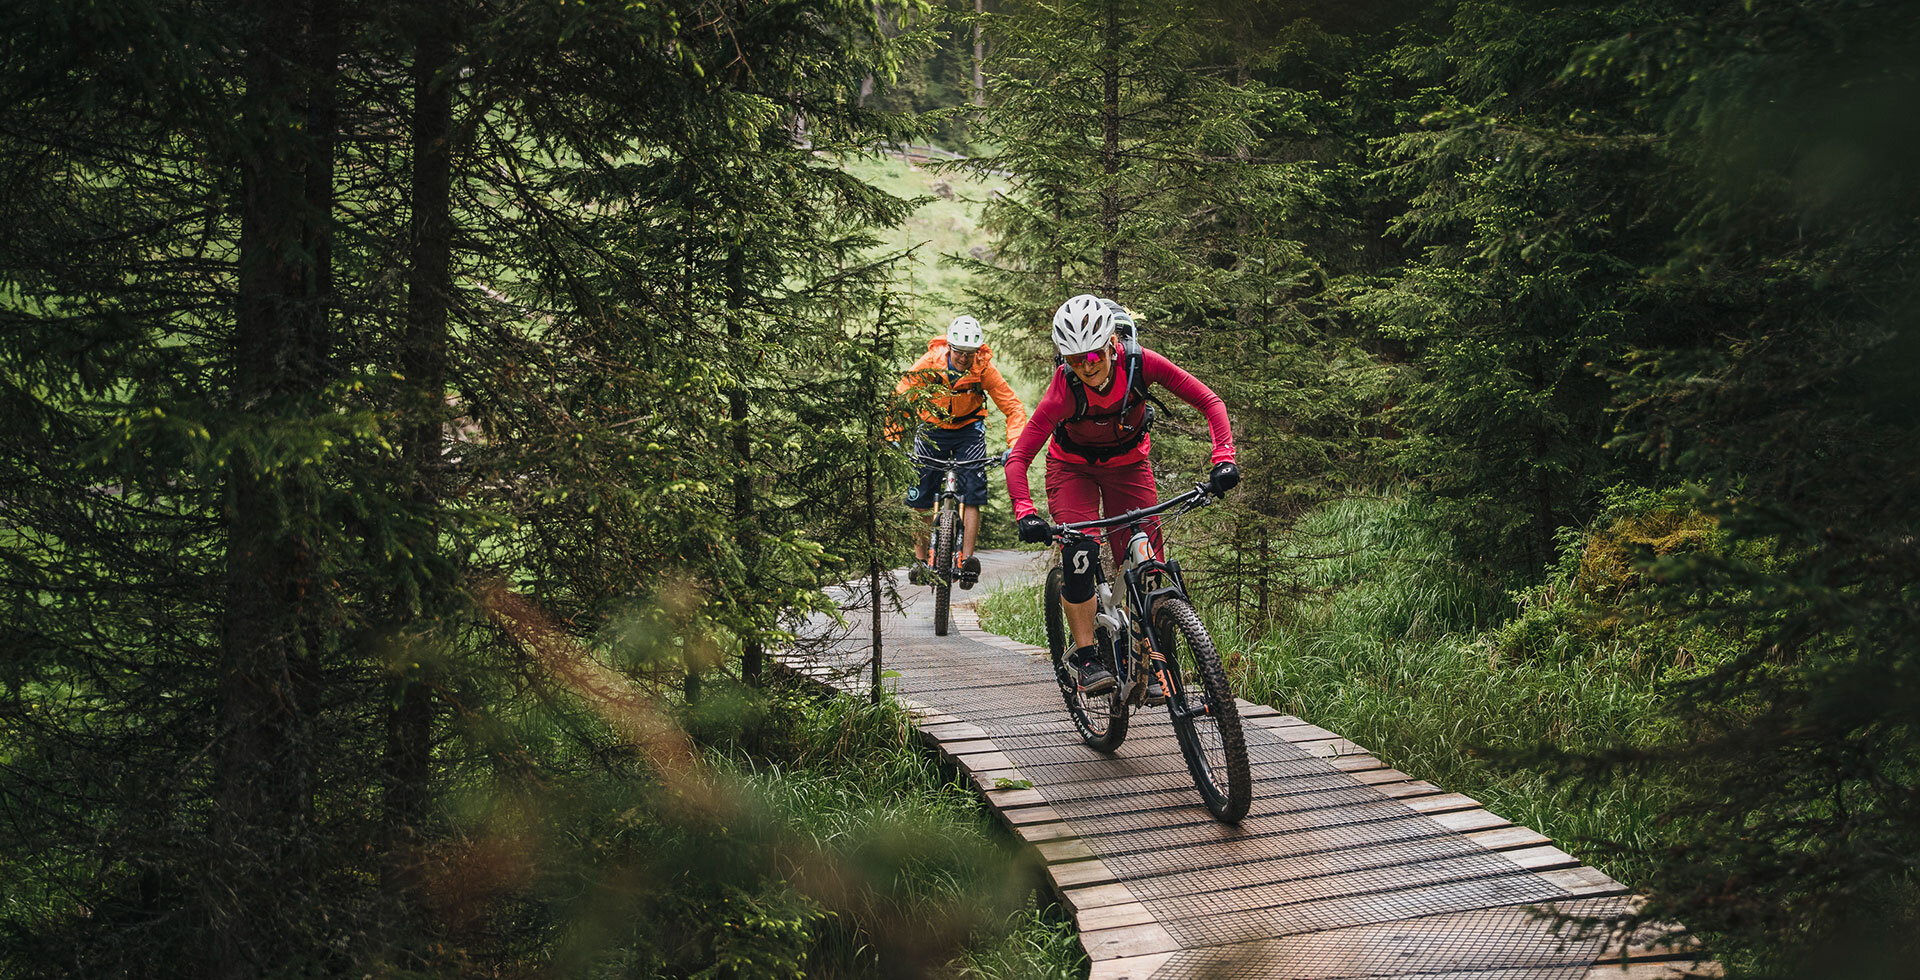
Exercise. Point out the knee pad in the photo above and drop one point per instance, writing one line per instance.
(1080, 560)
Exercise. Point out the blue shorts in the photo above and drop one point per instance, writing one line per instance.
(965, 443)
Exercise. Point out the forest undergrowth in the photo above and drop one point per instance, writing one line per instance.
(838, 848)
(849, 778)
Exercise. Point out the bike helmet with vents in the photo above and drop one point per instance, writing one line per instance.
(1081, 324)
(964, 333)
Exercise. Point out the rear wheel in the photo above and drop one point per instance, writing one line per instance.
(1101, 719)
(943, 538)
(1206, 719)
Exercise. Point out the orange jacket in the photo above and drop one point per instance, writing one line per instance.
(964, 402)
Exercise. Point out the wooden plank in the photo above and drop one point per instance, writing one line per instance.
(1129, 967)
(1656, 953)
(1107, 944)
(998, 780)
(1009, 798)
(984, 762)
(1468, 821)
(1079, 874)
(1304, 732)
(1375, 776)
(1060, 851)
(1331, 748)
(1405, 789)
(1442, 803)
(1041, 832)
(1113, 917)
(1275, 722)
(1584, 881)
(1654, 971)
(1508, 838)
(953, 730)
(1546, 857)
(1356, 763)
(1030, 815)
(1638, 971)
(968, 746)
(1097, 896)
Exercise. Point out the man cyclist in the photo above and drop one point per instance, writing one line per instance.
(1095, 411)
(958, 374)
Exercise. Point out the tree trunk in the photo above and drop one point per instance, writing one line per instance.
(1543, 525)
(265, 753)
(752, 654)
(424, 363)
(690, 272)
(1110, 153)
(979, 55)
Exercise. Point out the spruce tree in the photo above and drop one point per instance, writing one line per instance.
(1526, 195)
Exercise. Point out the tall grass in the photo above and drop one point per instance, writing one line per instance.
(1400, 648)
(849, 777)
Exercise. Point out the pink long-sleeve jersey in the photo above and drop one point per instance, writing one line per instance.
(1057, 405)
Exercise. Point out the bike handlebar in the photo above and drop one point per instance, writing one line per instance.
(998, 459)
(1197, 497)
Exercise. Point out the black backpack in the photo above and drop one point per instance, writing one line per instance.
(1135, 394)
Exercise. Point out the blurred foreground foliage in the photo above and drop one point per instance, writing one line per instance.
(816, 839)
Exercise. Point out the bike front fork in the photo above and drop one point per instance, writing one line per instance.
(1139, 662)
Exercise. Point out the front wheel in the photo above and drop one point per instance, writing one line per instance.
(1100, 719)
(1206, 719)
(943, 543)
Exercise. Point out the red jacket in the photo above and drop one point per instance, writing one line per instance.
(1057, 406)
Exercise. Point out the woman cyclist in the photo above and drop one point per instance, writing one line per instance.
(1096, 413)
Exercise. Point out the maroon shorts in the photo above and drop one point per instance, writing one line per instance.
(1076, 492)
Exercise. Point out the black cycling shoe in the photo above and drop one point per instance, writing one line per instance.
(1094, 678)
(969, 572)
(919, 573)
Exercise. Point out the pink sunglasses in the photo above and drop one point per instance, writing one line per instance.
(1094, 356)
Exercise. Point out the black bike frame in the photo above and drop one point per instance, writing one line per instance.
(1140, 599)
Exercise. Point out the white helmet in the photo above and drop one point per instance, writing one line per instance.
(1081, 324)
(964, 333)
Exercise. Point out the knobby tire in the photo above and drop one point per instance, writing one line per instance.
(1101, 719)
(943, 542)
(1215, 746)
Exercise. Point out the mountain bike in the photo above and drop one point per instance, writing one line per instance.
(1154, 633)
(945, 549)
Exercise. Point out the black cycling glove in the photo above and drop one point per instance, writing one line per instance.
(1033, 529)
(1225, 477)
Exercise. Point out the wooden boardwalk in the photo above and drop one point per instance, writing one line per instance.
(1343, 867)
